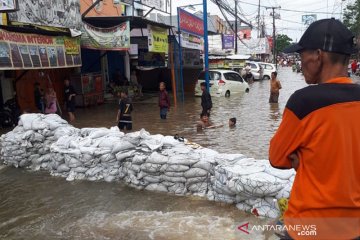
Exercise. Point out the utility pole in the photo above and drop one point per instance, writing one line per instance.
(259, 28)
(274, 33)
(236, 27)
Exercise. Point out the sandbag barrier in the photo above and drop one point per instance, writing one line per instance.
(144, 161)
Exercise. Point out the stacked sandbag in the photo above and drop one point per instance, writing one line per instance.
(28, 145)
(144, 161)
(253, 185)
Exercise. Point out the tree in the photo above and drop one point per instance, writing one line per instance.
(351, 17)
(282, 42)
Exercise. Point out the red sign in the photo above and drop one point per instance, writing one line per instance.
(190, 23)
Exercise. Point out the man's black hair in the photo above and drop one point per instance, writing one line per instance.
(233, 120)
(203, 114)
(203, 84)
(275, 73)
(124, 91)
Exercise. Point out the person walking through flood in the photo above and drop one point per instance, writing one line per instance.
(164, 101)
(354, 66)
(50, 101)
(39, 97)
(275, 87)
(70, 99)
(319, 137)
(206, 102)
(124, 113)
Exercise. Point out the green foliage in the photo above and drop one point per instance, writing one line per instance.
(351, 17)
(282, 42)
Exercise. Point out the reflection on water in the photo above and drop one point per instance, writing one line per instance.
(38, 206)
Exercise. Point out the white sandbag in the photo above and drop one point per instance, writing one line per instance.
(123, 155)
(285, 191)
(156, 187)
(181, 159)
(222, 189)
(174, 174)
(195, 172)
(63, 168)
(121, 145)
(80, 169)
(109, 178)
(173, 179)
(39, 124)
(224, 198)
(198, 187)
(208, 166)
(157, 158)
(177, 188)
(193, 180)
(152, 179)
(284, 174)
(27, 119)
(139, 159)
(88, 150)
(98, 133)
(244, 207)
(150, 167)
(174, 168)
(170, 141)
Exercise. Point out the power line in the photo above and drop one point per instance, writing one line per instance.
(289, 10)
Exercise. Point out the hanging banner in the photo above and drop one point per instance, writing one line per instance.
(55, 13)
(191, 41)
(228, 41)
(8, 5)
(157, 39)
(157, 4)
(114, 38)
(33, 51)
(190, 23)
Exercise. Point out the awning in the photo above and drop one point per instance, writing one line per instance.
(135, 22)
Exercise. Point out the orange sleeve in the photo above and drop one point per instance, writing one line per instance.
(286, 140)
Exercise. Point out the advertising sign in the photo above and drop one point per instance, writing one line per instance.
(228, 41)
(190, 23)
(157, 39)
(55, 13)
(32, 51)
(114, 38)
(191, 41)
(8, 5)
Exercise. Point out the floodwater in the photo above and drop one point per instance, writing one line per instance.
(34, 205)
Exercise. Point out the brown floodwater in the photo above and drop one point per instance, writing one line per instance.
(34, 205)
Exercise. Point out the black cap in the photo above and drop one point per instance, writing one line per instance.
(329, 35)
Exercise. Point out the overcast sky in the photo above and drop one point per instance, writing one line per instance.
(290, 13)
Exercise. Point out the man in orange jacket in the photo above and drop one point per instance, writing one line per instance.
(319, 136)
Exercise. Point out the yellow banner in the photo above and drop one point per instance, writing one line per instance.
(72, 45)
(157, 39)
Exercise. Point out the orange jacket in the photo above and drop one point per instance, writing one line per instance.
(321, 124)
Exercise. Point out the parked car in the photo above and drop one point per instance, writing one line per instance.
(222, 83)
(268, 68)
(256, 70)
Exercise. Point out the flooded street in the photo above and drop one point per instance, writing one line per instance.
(35, 205)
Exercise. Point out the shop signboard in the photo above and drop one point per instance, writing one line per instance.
(55, 13)
(114, 38)
(228, 41)
(192, 41)
(190, 23)
(157, 39)
(34, 51)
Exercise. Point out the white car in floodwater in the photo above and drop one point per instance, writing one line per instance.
(222, 83)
